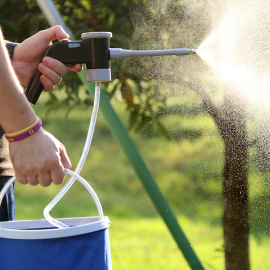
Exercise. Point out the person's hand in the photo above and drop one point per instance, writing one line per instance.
(27, 56)
(39, 159)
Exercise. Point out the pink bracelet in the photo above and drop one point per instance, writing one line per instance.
(20, 135)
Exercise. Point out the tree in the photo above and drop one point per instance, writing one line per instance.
(232, 125)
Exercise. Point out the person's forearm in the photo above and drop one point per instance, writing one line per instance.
(15, 111)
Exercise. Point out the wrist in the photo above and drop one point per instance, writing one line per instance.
(24, 133)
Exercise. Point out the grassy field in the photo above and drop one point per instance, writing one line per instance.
(188, 172)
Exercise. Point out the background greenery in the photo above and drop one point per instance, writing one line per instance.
(184, 154)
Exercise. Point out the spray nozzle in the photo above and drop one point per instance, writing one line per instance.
(117, 53)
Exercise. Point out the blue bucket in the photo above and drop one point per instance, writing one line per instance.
(38, 245)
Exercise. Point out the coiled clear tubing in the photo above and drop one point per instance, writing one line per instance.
(49, 207)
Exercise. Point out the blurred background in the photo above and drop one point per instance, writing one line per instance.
(178, 116)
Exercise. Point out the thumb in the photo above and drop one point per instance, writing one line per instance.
(64, 157)
(55, 32)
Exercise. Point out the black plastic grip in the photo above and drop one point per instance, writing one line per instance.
(35, 88)
(94, 53)
(68, 52)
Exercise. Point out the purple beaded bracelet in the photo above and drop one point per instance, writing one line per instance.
(20, 135)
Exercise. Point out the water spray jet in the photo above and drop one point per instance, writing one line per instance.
(94, 51)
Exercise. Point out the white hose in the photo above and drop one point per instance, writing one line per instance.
(77, 177)
(87, 145)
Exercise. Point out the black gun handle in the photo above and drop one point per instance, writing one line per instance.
(68, 52)
(35, 88)
(94, 53)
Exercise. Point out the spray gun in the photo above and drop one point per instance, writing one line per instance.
(94, 51)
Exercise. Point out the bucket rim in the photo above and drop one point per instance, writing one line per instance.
(42, 229)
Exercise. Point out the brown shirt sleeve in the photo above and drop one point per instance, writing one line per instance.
(6, 168)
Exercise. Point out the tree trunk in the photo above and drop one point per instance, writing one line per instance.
(231, 122)
(235, 191)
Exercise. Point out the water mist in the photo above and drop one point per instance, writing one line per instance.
(238, 49)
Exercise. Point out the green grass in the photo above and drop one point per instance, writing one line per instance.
(188, 172)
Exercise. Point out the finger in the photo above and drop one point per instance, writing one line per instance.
(58, 175)
(48, 84)
(57, 172)
(55, 32)
(44, 179)
(55, 65)
(54, 77)
(21, 179)
(32, 180)
(75, 68)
